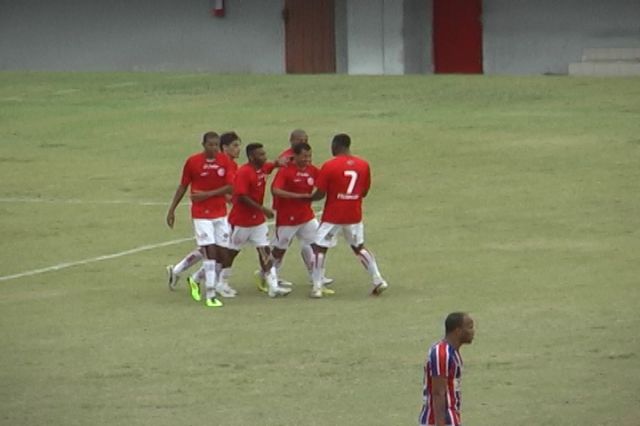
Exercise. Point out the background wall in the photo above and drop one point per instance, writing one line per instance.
(544, 36)
(141, 35)
(374, 37)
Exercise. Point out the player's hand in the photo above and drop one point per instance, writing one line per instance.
(268, 212)
(171, 219)
(282, 161)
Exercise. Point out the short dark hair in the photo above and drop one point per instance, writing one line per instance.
(252, 147)
(454, 321)
(209, 135)
(342, 140)
(303, 146)
(227, 138)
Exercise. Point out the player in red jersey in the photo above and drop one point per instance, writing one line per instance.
(345, 181)
(292, 187)
(248, 214)
(209, 178)
(443, 373)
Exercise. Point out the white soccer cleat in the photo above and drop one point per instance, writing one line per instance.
(278, 291)
(226, 291)
(172, 278)
(379, 288)
(284, 283)
(316, 292)
(325, 281)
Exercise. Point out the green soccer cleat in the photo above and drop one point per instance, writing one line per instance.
(195, 289)
(213, 303)
(261, 282)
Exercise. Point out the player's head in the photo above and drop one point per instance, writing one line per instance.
(340, 144)
(298, 136)
(256, 154)
(302, 154)
(459, 325)
(230, 144)
(210, 143)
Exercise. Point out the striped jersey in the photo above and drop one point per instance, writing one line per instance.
(442, 360)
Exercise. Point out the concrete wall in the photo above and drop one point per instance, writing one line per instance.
(544, 36)
(417, 33)
(374, 37)
(129, 35)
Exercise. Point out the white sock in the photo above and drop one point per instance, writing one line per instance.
(188, 261)
(272, 277)
(369, 262)
(199, 275)
(224, 275)
(307, 257)
(277, 263)
(210, 277)
(318, 269)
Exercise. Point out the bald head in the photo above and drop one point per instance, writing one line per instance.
(298, 136)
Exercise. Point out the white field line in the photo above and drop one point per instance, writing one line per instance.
(101, 258)
(18, 200)
(93, 259)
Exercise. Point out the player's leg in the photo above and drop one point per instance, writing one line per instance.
(205, 238)
(260, 239)
(223, 240)
(354, 234)
(325, 238)
(173, 272)
(306, 234)
(281, 241)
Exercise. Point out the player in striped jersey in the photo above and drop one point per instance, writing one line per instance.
(443, 373)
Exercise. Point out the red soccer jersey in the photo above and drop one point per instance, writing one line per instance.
(346, 180)
(445, 361)
(288, 154)
(252, 183)
(206, 174)
(294, 211)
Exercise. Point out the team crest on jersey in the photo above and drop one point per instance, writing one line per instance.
(310, 181)
(350, 162)
(221, 172)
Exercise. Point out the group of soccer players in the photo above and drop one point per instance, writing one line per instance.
(214, 179)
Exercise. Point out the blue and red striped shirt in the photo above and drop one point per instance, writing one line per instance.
(445, 361)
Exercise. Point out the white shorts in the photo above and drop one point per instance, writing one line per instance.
(305, 232)
(212, 231)
(257, 236)
(327, 234)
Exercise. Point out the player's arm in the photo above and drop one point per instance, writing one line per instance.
(245, 199)
(203, 195)
(177, 197)
(318, 195)
(439, 393)
(287, 194)
(367, 184)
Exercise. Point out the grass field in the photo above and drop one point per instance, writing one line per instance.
(516, 199)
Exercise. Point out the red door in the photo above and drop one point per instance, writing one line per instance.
(457, 36)
(309, 36)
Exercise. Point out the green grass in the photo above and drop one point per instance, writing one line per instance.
(513, 198)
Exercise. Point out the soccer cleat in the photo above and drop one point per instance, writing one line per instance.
(213, 302)
(284, 283)
(278, 291)
(226, 291)
(195, 289)
(172, 278)
(261, 282)
(316, 293)
(328, 291)
(325, 281)
(379, 288)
